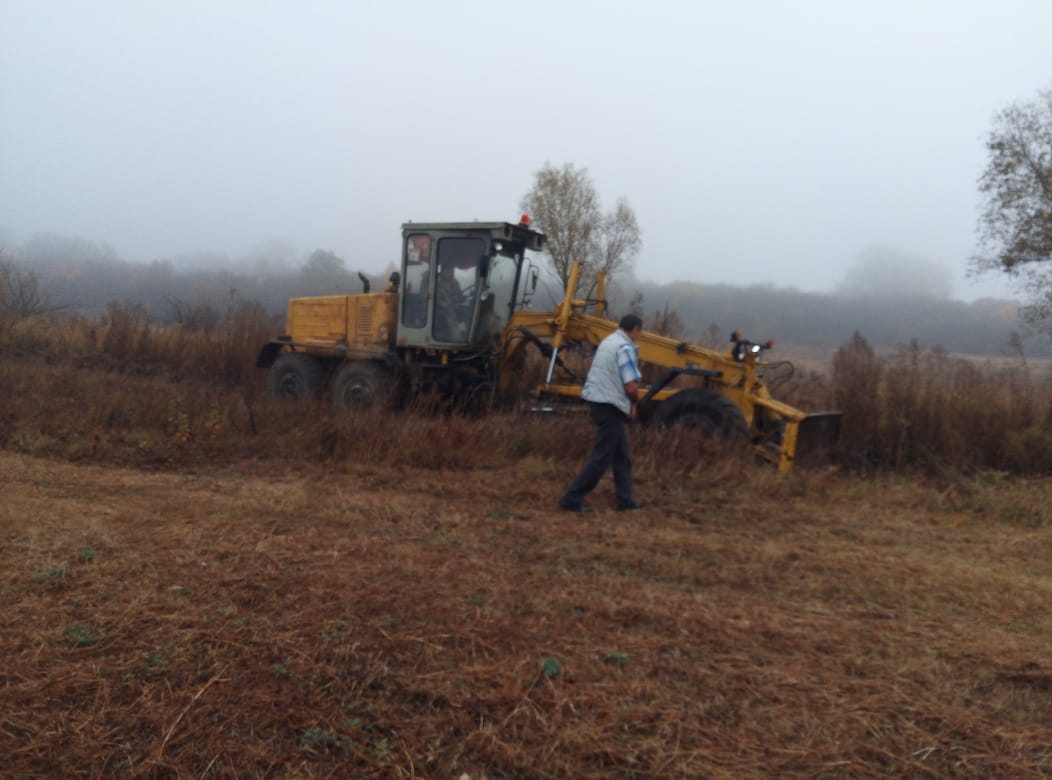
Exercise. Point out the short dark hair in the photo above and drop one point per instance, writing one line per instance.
(630, 322)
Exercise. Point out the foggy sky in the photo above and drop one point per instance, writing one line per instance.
(759, 142)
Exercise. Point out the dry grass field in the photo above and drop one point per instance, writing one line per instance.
(247, 620)
(197, 582)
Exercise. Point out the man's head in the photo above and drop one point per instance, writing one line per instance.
(632, 325)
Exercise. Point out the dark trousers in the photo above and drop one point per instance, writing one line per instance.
(611, 448)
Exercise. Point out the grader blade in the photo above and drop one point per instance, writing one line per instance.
(817, 438)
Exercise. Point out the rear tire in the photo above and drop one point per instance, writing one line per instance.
(712, 414)
(295, 377)
(362, 385)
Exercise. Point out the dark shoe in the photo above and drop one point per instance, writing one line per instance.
(628, 505)
(567, 506)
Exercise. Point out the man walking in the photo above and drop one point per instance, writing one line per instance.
(612, 390)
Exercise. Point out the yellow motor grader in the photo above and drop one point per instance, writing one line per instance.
(455, 321)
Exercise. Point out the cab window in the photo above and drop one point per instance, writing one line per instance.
(414, 289)
(457, 269)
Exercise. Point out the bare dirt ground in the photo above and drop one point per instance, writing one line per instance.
(257, 621)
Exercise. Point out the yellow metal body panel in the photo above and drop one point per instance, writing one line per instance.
(358, 323)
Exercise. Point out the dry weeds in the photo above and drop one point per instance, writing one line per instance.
(200, 583)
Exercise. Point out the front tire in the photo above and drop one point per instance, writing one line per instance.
(713, 414)
(295, 377)
(362, 385)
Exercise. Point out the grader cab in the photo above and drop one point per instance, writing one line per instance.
(455, 322)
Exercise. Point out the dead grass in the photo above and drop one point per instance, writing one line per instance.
(911, 409)
(928, 409)
(392, 622)
(198, 582)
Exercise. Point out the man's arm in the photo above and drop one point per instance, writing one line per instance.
(630, 375)
(632, 391)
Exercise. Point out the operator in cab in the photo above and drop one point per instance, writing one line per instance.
(449, 303)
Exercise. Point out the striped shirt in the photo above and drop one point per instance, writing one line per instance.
(616, 363)
(628, 363)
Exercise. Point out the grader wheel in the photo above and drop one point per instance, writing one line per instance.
(712, 414)
(362, 384)
(295, 377)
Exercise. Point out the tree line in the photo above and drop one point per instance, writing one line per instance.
(90, 277)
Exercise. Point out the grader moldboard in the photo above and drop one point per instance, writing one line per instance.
(469, 342)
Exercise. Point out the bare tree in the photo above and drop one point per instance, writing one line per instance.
(666, 322)
(884, 271)
(564, 205)
(20, 293)
(325, 273)
(271, 256)
(1015, 227)
(619, 239)
(324, 262)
